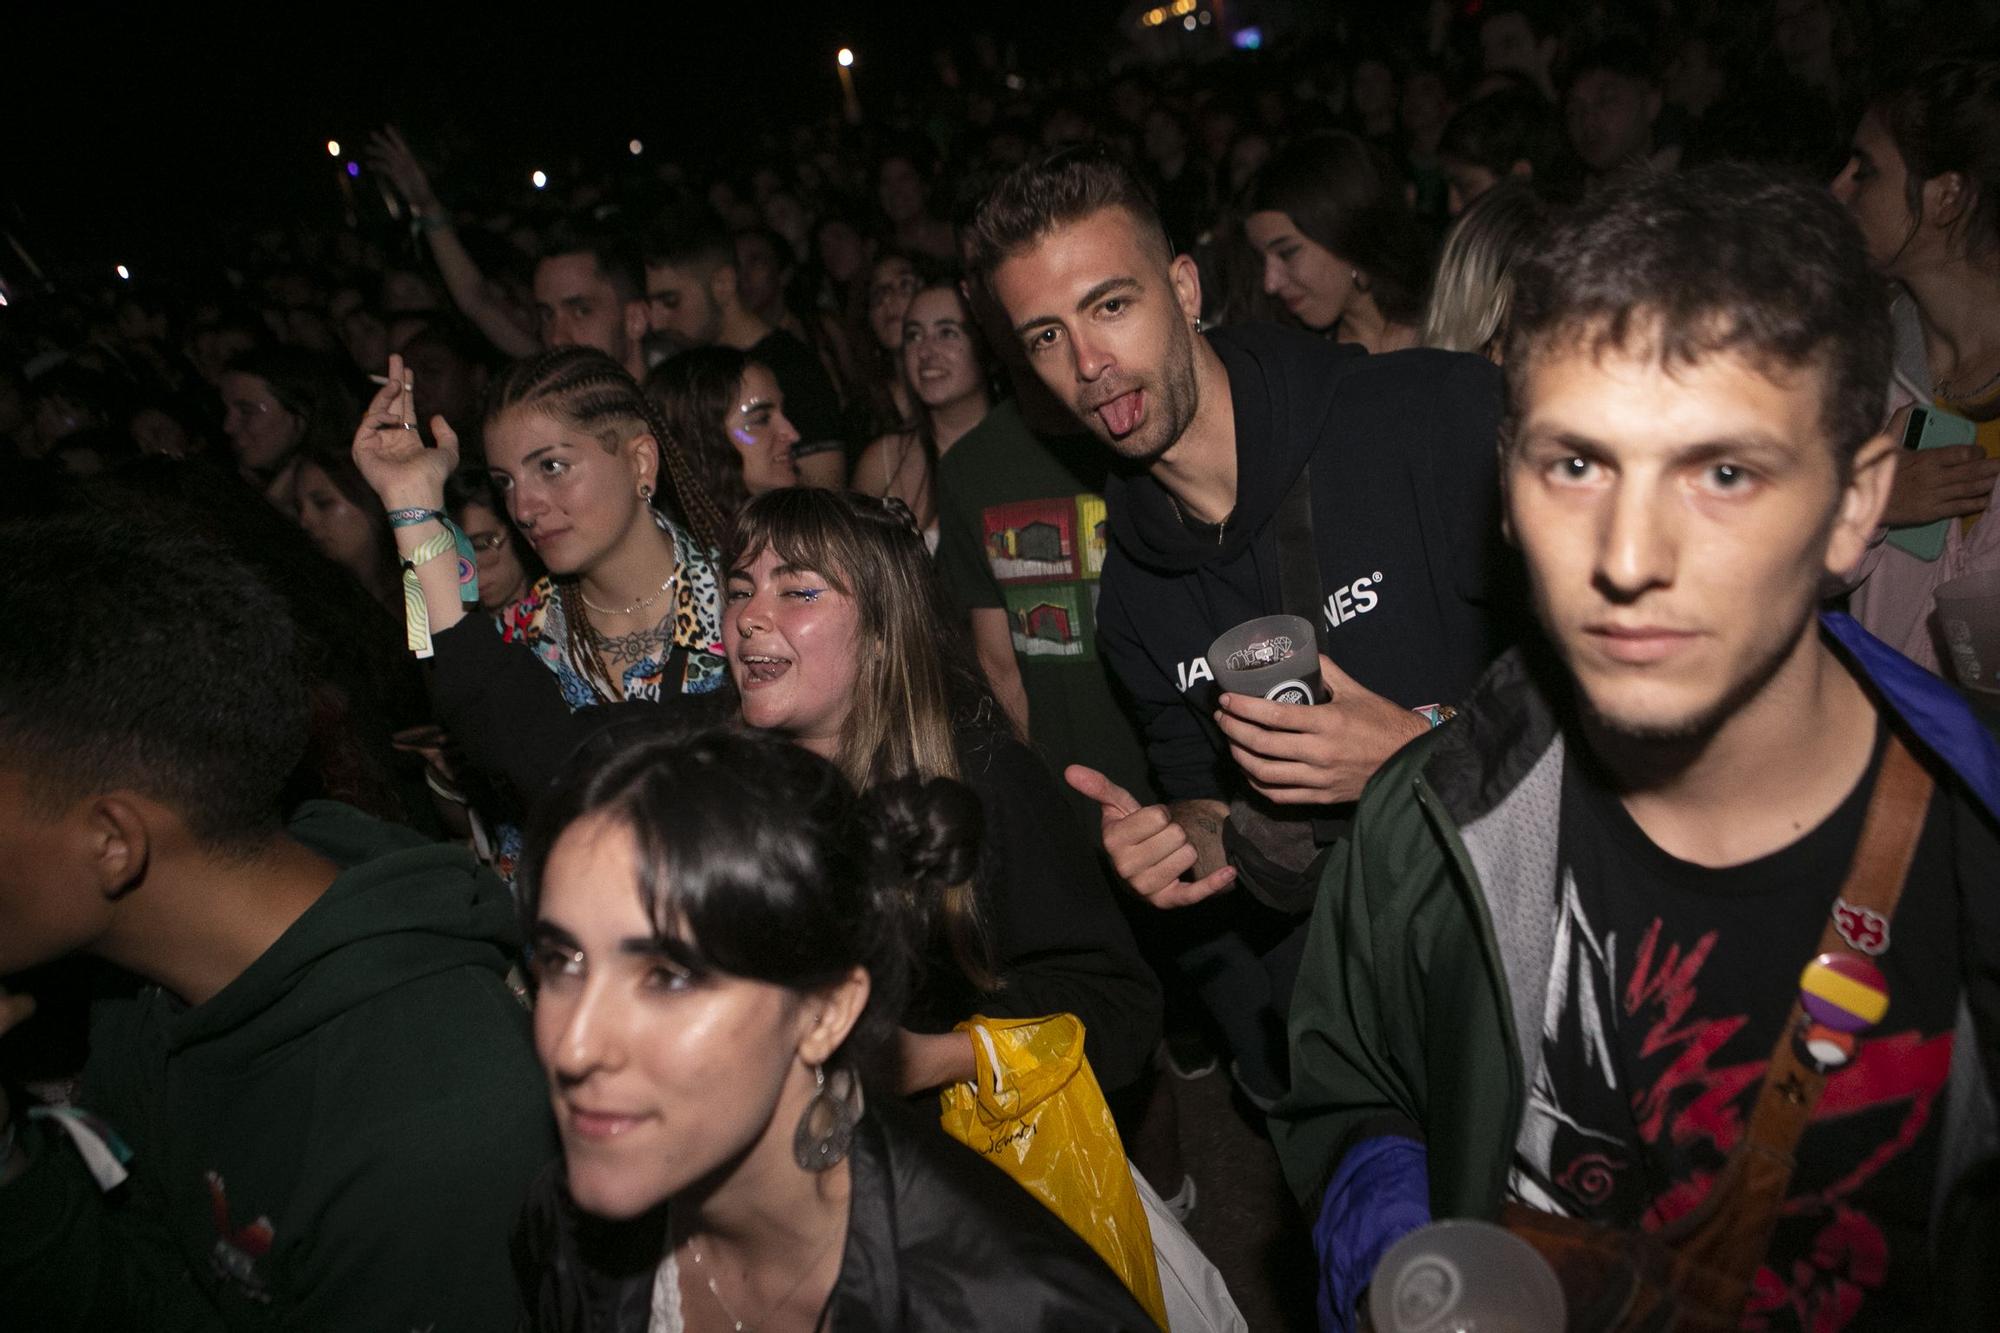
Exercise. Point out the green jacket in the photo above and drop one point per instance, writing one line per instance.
(1418, 1007)
(340, 1139)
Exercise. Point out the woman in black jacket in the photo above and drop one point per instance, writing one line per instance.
(839, 637)
(716, 953)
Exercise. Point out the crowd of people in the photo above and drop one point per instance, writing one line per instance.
(541, 740)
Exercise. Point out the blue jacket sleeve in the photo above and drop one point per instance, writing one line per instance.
(1380, 1193)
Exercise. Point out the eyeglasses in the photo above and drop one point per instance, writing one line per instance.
(488, 541)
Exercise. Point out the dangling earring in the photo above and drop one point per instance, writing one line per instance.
(826, 1128)
(1196, 322)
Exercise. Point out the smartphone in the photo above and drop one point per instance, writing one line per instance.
(1930, 428)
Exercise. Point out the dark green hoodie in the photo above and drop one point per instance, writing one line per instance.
(340, 1139)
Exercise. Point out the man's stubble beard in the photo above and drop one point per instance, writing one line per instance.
(1178, 396)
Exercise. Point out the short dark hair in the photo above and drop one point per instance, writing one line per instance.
(692, 242)
(1504, 127)
(609, 246)
(1035, 198)
(1626, 57)
(1689, 266)
(172, 670)
(1347, 196)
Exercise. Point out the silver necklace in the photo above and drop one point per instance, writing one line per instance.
(639, 605)
(735, 1322)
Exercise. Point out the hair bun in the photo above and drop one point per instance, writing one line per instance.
(924, 833)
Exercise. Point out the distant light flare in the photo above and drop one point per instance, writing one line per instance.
(540, 180)
(333, 148)
(846, 58)
(125, 273)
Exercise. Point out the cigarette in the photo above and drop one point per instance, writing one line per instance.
(382, 380)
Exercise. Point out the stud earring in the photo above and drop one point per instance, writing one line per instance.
(645, 491)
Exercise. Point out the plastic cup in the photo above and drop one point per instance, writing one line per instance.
(1271, 657)
(1968, 612)
(1463, 1276)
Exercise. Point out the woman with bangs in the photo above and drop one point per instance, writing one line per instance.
(717, 958)
(839, 638)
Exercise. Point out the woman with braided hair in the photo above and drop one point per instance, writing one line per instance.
(629, 609)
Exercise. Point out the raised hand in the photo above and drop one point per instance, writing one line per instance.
(389, 155)
(1152, 846)
(391, 453)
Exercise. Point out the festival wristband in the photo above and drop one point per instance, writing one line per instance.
(410, 518)
(416, 616)
(1436, 714)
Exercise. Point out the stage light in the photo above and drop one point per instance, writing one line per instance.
(635, 148)
(354, 169)
(333, 148)
(124, 273)
(846, 58)
(540, 180)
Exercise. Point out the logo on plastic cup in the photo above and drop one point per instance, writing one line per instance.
(1263, 653)
(1290, 692)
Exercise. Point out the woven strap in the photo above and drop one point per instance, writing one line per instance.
(1719, 1248)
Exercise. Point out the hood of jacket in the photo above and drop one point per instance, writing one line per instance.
(1283, 386)
(401, 908)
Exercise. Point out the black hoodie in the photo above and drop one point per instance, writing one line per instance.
(1405, 521)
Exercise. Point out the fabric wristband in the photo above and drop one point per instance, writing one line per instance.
(410, 518)
(416, 616)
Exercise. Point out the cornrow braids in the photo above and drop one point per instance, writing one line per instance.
(588, 390)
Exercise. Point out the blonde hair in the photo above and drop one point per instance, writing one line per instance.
(1475, 274)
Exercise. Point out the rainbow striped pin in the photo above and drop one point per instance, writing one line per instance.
(1843, 991)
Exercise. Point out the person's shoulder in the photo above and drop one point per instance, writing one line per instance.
(1435, 402)
(1429, 371)
(1279, 344)
(959, 1227)
(1000, 429)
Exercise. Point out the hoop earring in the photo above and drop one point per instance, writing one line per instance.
(826, 1128)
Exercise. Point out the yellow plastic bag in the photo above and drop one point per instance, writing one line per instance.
(1035, 1111)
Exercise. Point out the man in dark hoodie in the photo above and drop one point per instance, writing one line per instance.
(1393, 461)
(323, 1109)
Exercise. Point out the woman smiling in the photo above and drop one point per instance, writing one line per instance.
(838, 638)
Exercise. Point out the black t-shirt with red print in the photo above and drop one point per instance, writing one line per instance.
(1671, 983)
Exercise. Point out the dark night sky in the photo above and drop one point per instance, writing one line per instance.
(127, 132)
